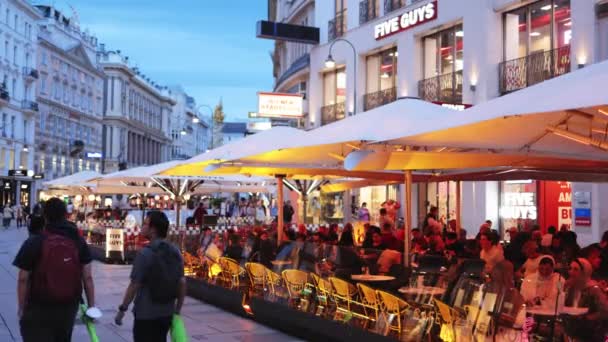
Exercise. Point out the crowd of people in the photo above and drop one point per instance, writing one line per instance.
(540, 266)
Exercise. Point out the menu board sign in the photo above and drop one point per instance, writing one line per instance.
(114, 241)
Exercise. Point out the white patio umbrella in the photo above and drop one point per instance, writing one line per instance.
(150, 177)
(77, 180)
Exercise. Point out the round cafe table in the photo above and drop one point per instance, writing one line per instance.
(371, 278)
(566, 310)
(424, 290)
(281, 262)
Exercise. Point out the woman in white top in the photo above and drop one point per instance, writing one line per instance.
(542, 287)
(491, 251)
(260, 214)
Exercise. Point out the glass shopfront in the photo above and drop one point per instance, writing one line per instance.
(443, 196)
(443, 52)
(381, 78)
(536, 28)
(518, 204)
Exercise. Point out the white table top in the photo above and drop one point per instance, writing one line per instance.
(566, 310)
(425, 290)
(369, 277)
(281, 262)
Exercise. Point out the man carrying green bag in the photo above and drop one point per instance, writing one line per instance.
(157, 284)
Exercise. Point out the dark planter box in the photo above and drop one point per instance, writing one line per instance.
(300, 324)
(99, 253)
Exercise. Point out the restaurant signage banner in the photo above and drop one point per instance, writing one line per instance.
(518, 205)
(582, 208)
(407, 20)
(556, 203)
(114, 241)
(279, 105)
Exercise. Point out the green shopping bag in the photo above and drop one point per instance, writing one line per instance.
(178, 330)
(89, 324)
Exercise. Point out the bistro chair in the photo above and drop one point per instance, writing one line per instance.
(275, 284)
(344, 294)
(369, 302)
(323, 293)
(191, 264)
(296, 282)
(448, 317)
(231, 272)
(392, 305)
(257, 276)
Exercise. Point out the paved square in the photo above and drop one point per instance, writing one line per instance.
(203, 322)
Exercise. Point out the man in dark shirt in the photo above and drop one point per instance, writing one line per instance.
(153, 317)
(41, 320)
(288, 212)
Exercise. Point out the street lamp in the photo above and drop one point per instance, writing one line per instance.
(330, 63)
(196, 120)
(183, 131)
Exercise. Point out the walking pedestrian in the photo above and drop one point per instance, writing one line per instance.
(53, 269)
(7, 216)
(157, 283)
(18, 210)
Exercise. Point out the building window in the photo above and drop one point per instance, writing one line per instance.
(536, 44)
(12, 127)
(8, 16)
(15, 22)
(42, 121)
(442, 66)
(43, 58)
(381, 78)
(4, 124)
(14, 87)
(334, 96)
(56, 89)
(338, 25)
(43, 84)
(15, 55)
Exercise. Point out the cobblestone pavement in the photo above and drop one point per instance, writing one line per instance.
(203, 322)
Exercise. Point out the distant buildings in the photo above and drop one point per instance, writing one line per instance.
(190, 132)
(70, 98)
(233, 131)
(18, 108)
(137, 116)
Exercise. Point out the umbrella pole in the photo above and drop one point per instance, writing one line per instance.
(458, 207)
(280, 207)
(407, 200)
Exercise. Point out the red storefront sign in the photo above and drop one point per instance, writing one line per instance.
(555, 204)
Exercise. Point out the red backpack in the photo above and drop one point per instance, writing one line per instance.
(58, 275)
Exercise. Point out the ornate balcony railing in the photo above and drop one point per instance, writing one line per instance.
(523, 72)
(368, 10)
(379, 98)
(4, 95)
(31, 73)
(393, 5)
(29, 105)
(442, 88)
(337, 26)
(331, 113)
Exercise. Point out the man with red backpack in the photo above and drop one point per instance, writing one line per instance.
(53, 269)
